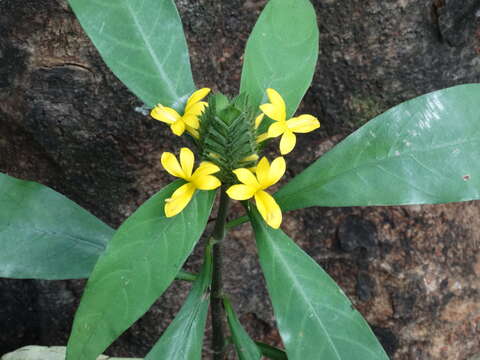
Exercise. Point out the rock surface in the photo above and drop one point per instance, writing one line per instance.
(67, 122)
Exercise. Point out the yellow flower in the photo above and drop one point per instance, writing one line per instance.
(253, 157)
(190, 119)
(276, 110)
(200, 179)
(258, 120)
(253, 185)
(262, 137)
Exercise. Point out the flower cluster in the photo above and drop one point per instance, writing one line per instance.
(252, 181)
(200, 179)
(254, 185)
(189, 121)
(276, 110)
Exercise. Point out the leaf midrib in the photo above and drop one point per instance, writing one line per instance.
(331, 178)
(162, 234)
(74, 238)
(151, 51)
(302, 293)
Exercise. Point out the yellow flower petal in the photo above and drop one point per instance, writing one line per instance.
(246, 177)
(258, 120)
(182, 191)
(193, 132)
(179, 200)
(263, 172)
(178, 127)
(262, 138)
(277, 169)
(187, 159)
(273, 112)
(303, 123)
(196, 109)
(278, 102)
(269, 174)
(196, 97)
(253, 157)
(287, 143)
(268, 208)
(164, 114)
(276, 129)
(214, 155)
(208, 182)
(191, 121)
(205, 168)
(240, 192)
(170, 163)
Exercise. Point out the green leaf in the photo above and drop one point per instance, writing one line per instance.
(315, 318)
(281, 52)
(142, 259)
(44, 235)
(271, 352)
(424, 151)
(143, 43)
(245, 346)
(184, 336)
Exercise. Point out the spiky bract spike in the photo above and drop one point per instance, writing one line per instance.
(228, 135)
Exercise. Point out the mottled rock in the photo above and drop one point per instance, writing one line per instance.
(365, 287)
(457, 21)
(356, 233)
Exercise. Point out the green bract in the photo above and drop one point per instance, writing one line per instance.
(423, 151)
(227, 136)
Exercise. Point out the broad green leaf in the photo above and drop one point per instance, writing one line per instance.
(245, 346)
(44, 235)
(281, 52)
(140, 262)
(315, 318)
(183, 338)
(424, 151)
(143, 43)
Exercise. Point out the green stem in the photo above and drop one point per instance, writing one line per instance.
(216, 296)
(238, 221)
(186, 276)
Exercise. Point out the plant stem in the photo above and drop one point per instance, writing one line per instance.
(216, 296)
(238, 221)
(186, 276)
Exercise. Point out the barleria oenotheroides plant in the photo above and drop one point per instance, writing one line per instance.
(423, 151)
